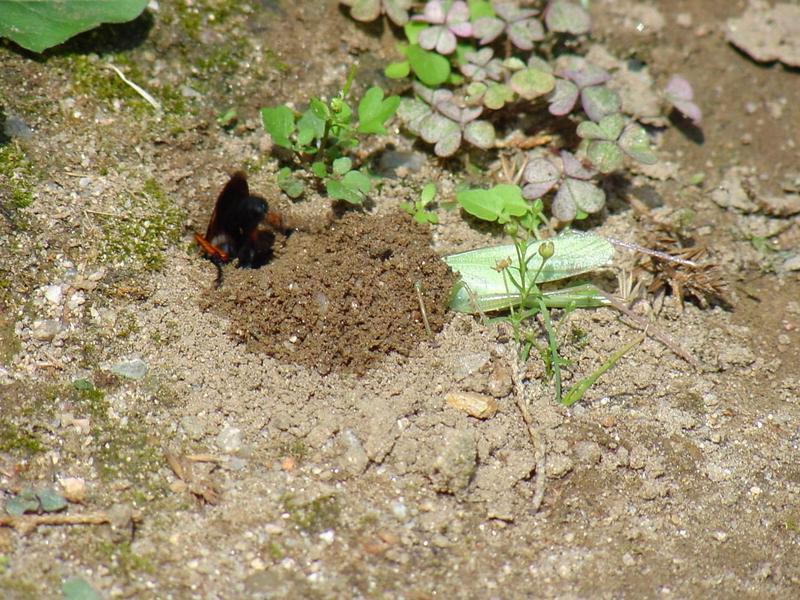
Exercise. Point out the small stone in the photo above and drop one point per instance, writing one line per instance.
(399, 510)
(354, 459)
(558, 465)
(257, 564)
(470, 363)
(229, 440)
(76, 300)
(328, 536)
(53, 294)
(74, 489)
(731, 194)
(453, 469)
(193, 426)
(588, 452)
(628, 560)
(720, 536)
(134, 368)
(683, 19)
(46, 330)
(792, 263)
(500, 382)
(475, 405)
(16, 127)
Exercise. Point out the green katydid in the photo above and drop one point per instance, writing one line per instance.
(485, 288)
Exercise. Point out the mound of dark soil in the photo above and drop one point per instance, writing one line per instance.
(342, 299)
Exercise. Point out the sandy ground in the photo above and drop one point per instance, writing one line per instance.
(225, 471)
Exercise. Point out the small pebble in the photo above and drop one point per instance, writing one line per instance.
(46, 330)
(134, 368)
(229, 440)
(399, 510)
(475, 405)
(53, 294)
(74, 489)
(327, 536)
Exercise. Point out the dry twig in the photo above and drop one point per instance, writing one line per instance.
(537, 439)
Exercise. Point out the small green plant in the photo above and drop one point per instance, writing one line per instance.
(419, 208)
(321, 137)
(470, 60)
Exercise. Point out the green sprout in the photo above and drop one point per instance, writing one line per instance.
(419, 208)
(324, 134)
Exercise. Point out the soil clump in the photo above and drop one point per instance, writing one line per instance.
(343, 299)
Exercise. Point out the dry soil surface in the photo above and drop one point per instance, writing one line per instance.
(287, 435)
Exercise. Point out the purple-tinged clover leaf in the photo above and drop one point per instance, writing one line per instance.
(520, 25)
(369, 10)
(438, 120)
(579, 77)
(482, 65)
(605, 143)
(492, 95)
(575, 192)
(562, 16)
(540, 176)
(447, 23)
(531, 81)
(679, 93)
(563, 98)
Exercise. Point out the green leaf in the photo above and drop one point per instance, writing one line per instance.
(532, 83)
(342, 165)
(352, 188)
(374, 111)
(289, 184)
(605, 156)
(279, 123)
(356, 180)
(480, 134)
(37, 26)
(497, 95)
(51, 500)
(430, 68)
(412, 30)
(77, 588)
(397, 70)
(310, 127)
(496, 204)
(479, 8)
(24, 502)
(607, 129)
(319, 169)
(635, 143)
(428, 193)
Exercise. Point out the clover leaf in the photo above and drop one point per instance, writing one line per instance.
(374, 110)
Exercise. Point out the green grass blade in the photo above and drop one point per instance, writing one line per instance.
(577, 391)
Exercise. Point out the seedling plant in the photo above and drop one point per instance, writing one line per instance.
(419, 208)
(321, 137)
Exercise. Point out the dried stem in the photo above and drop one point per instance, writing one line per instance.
(537, 439)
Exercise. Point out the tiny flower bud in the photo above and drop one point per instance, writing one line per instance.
(546, 250)
(511, 229)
